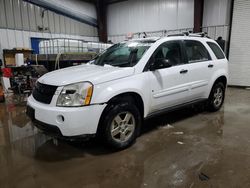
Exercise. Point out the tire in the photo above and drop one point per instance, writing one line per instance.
(2, 99)
(216, 97)
(120, 125)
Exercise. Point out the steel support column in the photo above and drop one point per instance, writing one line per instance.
(198, 15)
(101, 9)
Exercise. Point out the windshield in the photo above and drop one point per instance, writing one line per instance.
(125, 54)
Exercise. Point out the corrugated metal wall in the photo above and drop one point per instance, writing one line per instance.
(216, 18)
(20, 20)
(148, 16)
(216, 12)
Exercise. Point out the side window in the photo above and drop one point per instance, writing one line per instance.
(217, 51)
(196, 51)
(170, 51)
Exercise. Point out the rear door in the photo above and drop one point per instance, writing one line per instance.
(200, 67)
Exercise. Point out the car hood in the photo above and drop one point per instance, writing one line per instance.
(92, 73)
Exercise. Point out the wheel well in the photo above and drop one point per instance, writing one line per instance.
(135, 97)
(222, 79)
(137, 100)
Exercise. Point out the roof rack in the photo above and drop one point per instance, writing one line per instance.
(188, 33)
(201, 34)
(176, 35)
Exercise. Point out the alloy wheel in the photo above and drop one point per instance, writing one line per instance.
(123, 127)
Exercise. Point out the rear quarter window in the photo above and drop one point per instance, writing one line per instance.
(217, 51)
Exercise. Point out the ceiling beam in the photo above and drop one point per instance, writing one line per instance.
(115, 1)
(64, 11)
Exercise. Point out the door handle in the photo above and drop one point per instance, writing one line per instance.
(210, 66)
(183, 71)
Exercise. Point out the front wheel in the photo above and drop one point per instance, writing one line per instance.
(216, 97)
(120, 125)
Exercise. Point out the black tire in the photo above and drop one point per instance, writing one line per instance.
(112, 111)
(218, 88)
(2, 99)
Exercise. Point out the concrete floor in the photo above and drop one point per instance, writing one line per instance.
(198, 149)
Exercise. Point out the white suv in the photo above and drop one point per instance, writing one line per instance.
(130, 81)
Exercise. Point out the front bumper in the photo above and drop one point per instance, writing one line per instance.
(55, 132)
(70, 121)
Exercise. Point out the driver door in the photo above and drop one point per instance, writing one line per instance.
(169, 86)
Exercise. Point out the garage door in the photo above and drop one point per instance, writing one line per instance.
(239, 57)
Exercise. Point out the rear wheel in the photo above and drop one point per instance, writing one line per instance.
(120, 125)
(216, 97)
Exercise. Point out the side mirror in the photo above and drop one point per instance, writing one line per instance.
(160, 64)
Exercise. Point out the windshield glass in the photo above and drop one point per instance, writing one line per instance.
(125, 54)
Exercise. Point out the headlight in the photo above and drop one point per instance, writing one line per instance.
(78, 94)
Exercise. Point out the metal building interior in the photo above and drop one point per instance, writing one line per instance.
(184, 147)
